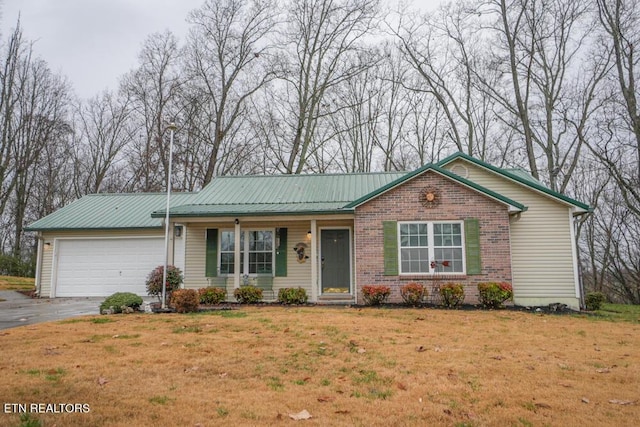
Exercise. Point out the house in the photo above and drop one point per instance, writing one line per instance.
(458, 220)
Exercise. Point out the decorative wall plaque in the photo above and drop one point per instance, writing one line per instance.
(429, 197)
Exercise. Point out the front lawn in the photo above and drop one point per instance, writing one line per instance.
(345, 366)
(617, 312)
(11, 283)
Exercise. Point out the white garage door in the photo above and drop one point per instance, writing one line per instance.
(101, 267)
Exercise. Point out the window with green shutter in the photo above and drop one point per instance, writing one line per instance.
(472, 246)
(390, 231)
(281, 253)
(211, 253)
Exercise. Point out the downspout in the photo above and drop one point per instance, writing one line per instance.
(576, 220)
(39, 255)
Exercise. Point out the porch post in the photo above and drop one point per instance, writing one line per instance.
(236, 256)
(314, 260)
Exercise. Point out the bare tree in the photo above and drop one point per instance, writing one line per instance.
(545, 43)
(228, 60)
(321, 38)
(104, 130)
(153, 90)
(33, 107)
(618, 146)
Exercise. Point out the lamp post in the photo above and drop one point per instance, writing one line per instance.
(172, 128)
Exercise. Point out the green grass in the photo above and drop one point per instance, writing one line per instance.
(620, 312)
(11, 283)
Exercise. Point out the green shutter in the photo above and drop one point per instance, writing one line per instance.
(472, 245)
(281, 254)
(211, 269)
(390, 230)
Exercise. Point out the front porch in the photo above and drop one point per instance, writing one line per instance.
(313, 253)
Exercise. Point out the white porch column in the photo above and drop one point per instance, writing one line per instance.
(314, 260)
(236, 256)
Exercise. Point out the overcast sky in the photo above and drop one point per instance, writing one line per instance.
(94, 42)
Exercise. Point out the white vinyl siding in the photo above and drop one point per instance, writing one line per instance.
(541, 243)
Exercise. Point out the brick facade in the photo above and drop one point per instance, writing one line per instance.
(457, 202)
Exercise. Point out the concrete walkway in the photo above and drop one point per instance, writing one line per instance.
(20, 310)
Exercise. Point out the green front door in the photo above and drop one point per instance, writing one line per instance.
(335, 249)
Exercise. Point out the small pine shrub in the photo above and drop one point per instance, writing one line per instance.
(594, 300)
(452, 294)
(375, 294)
(119, 300)
(413, 293)
(248, 294)
(212, 295)
(292, 296)
(493, 294)
(185, 300)
(154, 280)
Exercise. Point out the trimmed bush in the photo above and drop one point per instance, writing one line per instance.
(292, 296)
(452, 294)
(248, 294)
(119, 300)
(154, 281)
(493, 294)
(594, 300)
(185, 300)
(212, 295)
(413, 294)
(375, 294)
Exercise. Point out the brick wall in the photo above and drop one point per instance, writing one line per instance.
(456, 203)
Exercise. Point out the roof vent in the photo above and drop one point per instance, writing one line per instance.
(460, 170)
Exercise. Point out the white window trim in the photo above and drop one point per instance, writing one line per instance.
(245, 251)
(431, 248)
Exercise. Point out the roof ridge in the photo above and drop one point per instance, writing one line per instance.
(300, 175)
(137, 194)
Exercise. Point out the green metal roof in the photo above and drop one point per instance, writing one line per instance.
(109, 211)
(263, 195)
(522, 177)
(281, 194)
(446, 173)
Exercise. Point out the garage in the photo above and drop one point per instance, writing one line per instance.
(101, 267)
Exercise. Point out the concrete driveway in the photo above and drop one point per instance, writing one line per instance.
(19, 310)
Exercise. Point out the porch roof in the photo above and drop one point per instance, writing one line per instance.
(281, 194)
(259, 209)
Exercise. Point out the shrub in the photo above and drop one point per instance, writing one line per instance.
(119, 300)
(154, 281)
(185, 300)
(13, 265)
(248, 294)
(375, 294)
(212, 295)
(413, 293)
(292, 296)
(594, 300)
(493, 294)
(452, 294)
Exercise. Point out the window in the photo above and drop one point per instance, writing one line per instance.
(256, 252)
(431, 247)
(260, 252)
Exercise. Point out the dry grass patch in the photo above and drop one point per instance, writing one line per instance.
(345, 366)
(11, 283)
